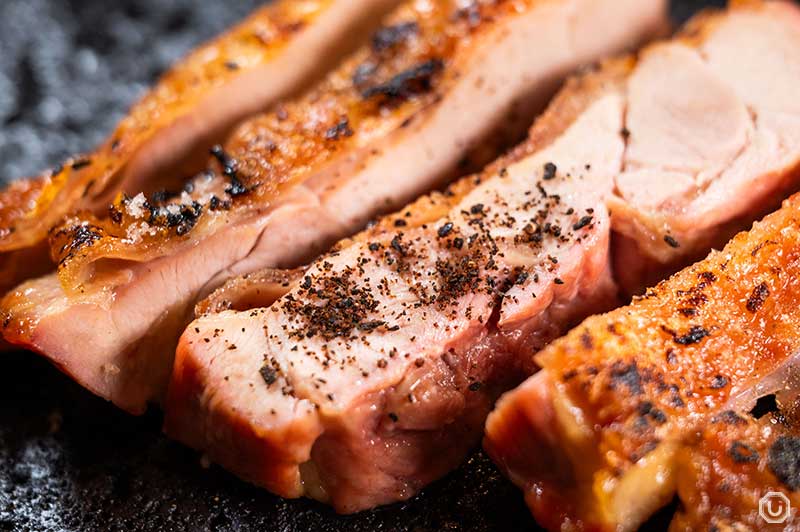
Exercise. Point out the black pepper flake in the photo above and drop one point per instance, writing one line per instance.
(695, 335)
(757, 297)
(476, 209)
(583, 222)
(458, 242)
(671, 242)
(475, 386)
(558, 280)
(445, 230)
(742, 453)
(268, 374)
(550, 170)
(374, 246)
(400, 223)
(393, 417)
(398, 246)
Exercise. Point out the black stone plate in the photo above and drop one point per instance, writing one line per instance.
(70, 461)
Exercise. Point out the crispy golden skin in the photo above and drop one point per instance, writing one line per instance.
(638, 404)
(412, 61)
(166, 135)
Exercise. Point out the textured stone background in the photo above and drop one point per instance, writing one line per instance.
(71, 462)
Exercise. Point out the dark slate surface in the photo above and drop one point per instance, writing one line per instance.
(68, 460)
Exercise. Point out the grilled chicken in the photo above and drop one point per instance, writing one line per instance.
(371, 377)
(276, 52)
(447, 300)
(396, 119)
(655, 398)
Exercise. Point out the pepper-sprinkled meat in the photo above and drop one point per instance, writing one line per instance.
(291, 182)
(583, 439)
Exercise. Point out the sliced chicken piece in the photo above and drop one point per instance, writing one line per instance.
(713, 129)
(276, 52)
(653, 399)
(402, 115)
(372, 376)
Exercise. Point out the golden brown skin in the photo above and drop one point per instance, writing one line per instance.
(30, 207)
(412, 61)
(642, 393)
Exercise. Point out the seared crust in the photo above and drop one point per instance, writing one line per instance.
(82, 179)
(650, 383)
(412, 62)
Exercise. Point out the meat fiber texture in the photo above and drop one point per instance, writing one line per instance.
(455, 293)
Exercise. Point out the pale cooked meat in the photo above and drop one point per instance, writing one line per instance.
(276, 52)
(392, 122)
(653, 399)
(346, 451)
(372, 376)
(714, 137)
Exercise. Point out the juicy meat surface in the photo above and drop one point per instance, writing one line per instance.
(274, 53)
(340, 446)
(396, 119)
(373, 375)
(654, 399)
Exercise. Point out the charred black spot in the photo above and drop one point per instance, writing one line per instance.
(757, 297)
(695, 335)
(784, 460)
(407, 83)
(627, 375)
(341, 129)
(742, 453)
(719, 381)
(475, 386)
(390, 36)
(729, 417)
(646, 409)
(81, 236)
(587, 340)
